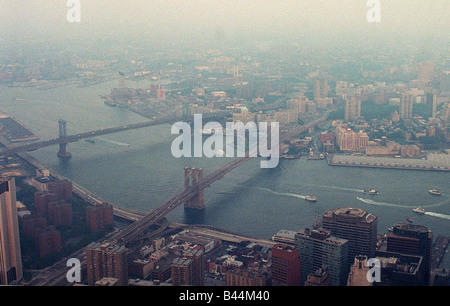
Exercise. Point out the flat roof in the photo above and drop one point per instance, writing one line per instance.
(352, 212)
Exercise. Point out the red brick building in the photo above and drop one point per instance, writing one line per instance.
(99, 216)
(286, 267)
(60, 213)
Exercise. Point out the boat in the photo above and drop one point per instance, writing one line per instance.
(207, 131)
(372, 191)
(311, 198)
(419, 210)
(90, 140)
(220, 153)
(409, 220)
(434, 192)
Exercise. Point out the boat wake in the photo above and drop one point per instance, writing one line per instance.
(372, 202)
(338, 188)
(287, 194)
(114, 142)
(428, 213)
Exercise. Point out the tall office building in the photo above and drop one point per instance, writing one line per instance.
(321, 88)
(286, 267)
(352, 108)
(412, 239)
(357, 226)
(431, 102)
(318, 248)
(406, 105)
(10, 254)
(106, 260)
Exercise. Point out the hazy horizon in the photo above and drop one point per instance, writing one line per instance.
(197, 20)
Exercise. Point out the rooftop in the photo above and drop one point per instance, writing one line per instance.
(350, 212)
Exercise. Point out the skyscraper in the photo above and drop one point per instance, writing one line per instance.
(286, 268)
(412, 239)
(352, 108)
(357, 226)
(431, 102)
(406, 105)
(321, 88)
(318, 248)
(10, 254)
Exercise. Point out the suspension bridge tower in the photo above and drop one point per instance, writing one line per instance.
(62, 153)
(193, 177)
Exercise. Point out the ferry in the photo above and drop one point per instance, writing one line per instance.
(311, 198)
(434, 192)
(419, 210)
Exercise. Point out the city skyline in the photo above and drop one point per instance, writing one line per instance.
(97, 183)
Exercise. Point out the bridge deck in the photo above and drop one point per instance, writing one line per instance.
(138, 227)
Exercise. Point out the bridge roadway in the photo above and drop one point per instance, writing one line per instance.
(10, 150)
(135, 229)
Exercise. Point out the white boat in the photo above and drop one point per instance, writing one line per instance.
(207, 131)
(434, 192)
(220, 153)
(311, 198)
(372, 191)
(419, 210)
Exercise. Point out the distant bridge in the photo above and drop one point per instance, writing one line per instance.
(63, 140)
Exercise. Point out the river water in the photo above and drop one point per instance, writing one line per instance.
(135, 169)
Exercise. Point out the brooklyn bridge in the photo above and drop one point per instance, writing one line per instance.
(192, 195)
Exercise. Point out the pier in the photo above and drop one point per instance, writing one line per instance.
(434, 162)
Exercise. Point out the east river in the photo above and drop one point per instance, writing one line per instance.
(136, 170)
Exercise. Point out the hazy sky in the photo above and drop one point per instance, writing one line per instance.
(46, 19)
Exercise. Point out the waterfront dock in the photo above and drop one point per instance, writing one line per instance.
(433, 162)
